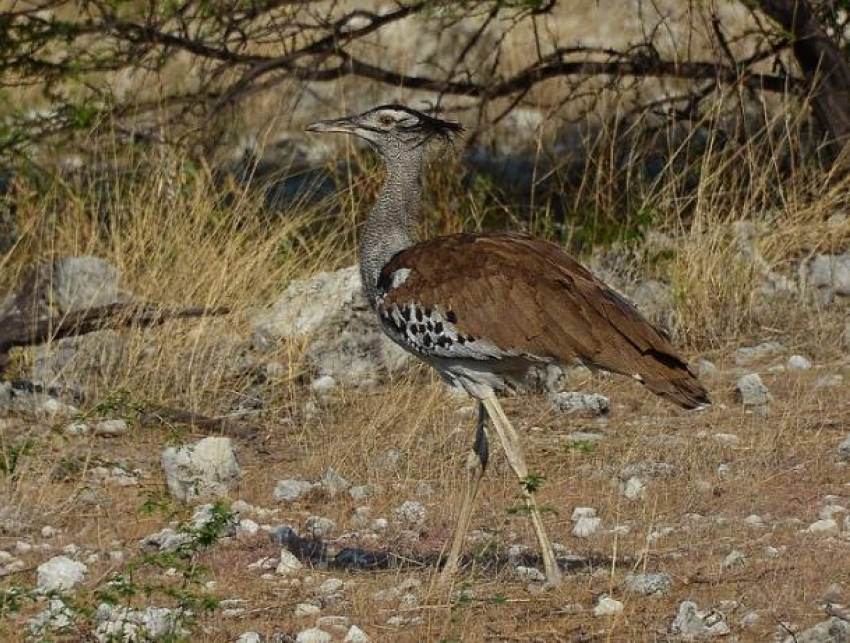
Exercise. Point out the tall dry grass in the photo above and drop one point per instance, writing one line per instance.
(732, 213)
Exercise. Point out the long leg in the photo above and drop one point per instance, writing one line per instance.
(516, 458)
(476, 462)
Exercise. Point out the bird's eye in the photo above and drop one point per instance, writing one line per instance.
(386, 119)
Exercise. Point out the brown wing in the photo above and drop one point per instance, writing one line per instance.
(526, 296)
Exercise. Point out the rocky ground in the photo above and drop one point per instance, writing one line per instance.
(319, 514)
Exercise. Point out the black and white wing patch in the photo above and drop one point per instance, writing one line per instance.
(428, 330)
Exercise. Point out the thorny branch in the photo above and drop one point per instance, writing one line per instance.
(76, 53)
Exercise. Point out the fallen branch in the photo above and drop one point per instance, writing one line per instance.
(19, 329)
(218, 425)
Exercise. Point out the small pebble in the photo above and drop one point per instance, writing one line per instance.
(288, 563)
(77, 428)
(588, 404)
(607, 606)
(313, 635)
(733, 559)
(303, 610)
(798, 363)
(356, 635)
(110, 428)
(751, 391)
(249, 637)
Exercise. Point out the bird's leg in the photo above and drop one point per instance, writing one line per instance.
(516, 458)
(476, 462)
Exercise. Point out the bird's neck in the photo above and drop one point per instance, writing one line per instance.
(392, 224)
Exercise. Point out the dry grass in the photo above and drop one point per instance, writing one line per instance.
(178, 238)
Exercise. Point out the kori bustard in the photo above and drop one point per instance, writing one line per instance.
(483, 308)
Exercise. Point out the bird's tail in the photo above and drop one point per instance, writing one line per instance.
(670, 378)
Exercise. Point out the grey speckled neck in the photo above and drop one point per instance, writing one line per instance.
(391, 226)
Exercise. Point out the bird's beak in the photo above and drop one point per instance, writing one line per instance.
(343, 125)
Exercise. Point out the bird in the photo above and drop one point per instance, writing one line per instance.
(483, 308)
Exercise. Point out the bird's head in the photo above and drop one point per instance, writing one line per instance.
(393, 129)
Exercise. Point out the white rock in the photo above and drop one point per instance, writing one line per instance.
(411, 514)
(798, 363)
(313, 635)
(829, 277)
(110, 428)
(266, 562)
(844, 450)
(359, 493)
(648, 584)
(607, 606)
(330, 586)
(750, 391)
(77, 428)
(249, 637)
(733, 559)
(333, 622)
(303, 610)
(746, 354)
(288, 563)
(138, 626)
(247, 526)
(692, 624)
(828, 527)
(585, 527)
(582, 512)
(206, 469)
(830, 510)
(165, 540)
(291, 489)
(832, 630)
(60, 573)
(48, 532)
(345, 341)
(590, 404)
(705, 369)
(633, 489)
(84, 282)
(56, 617)
(356, 635)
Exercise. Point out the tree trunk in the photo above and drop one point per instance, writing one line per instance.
(826, 70)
